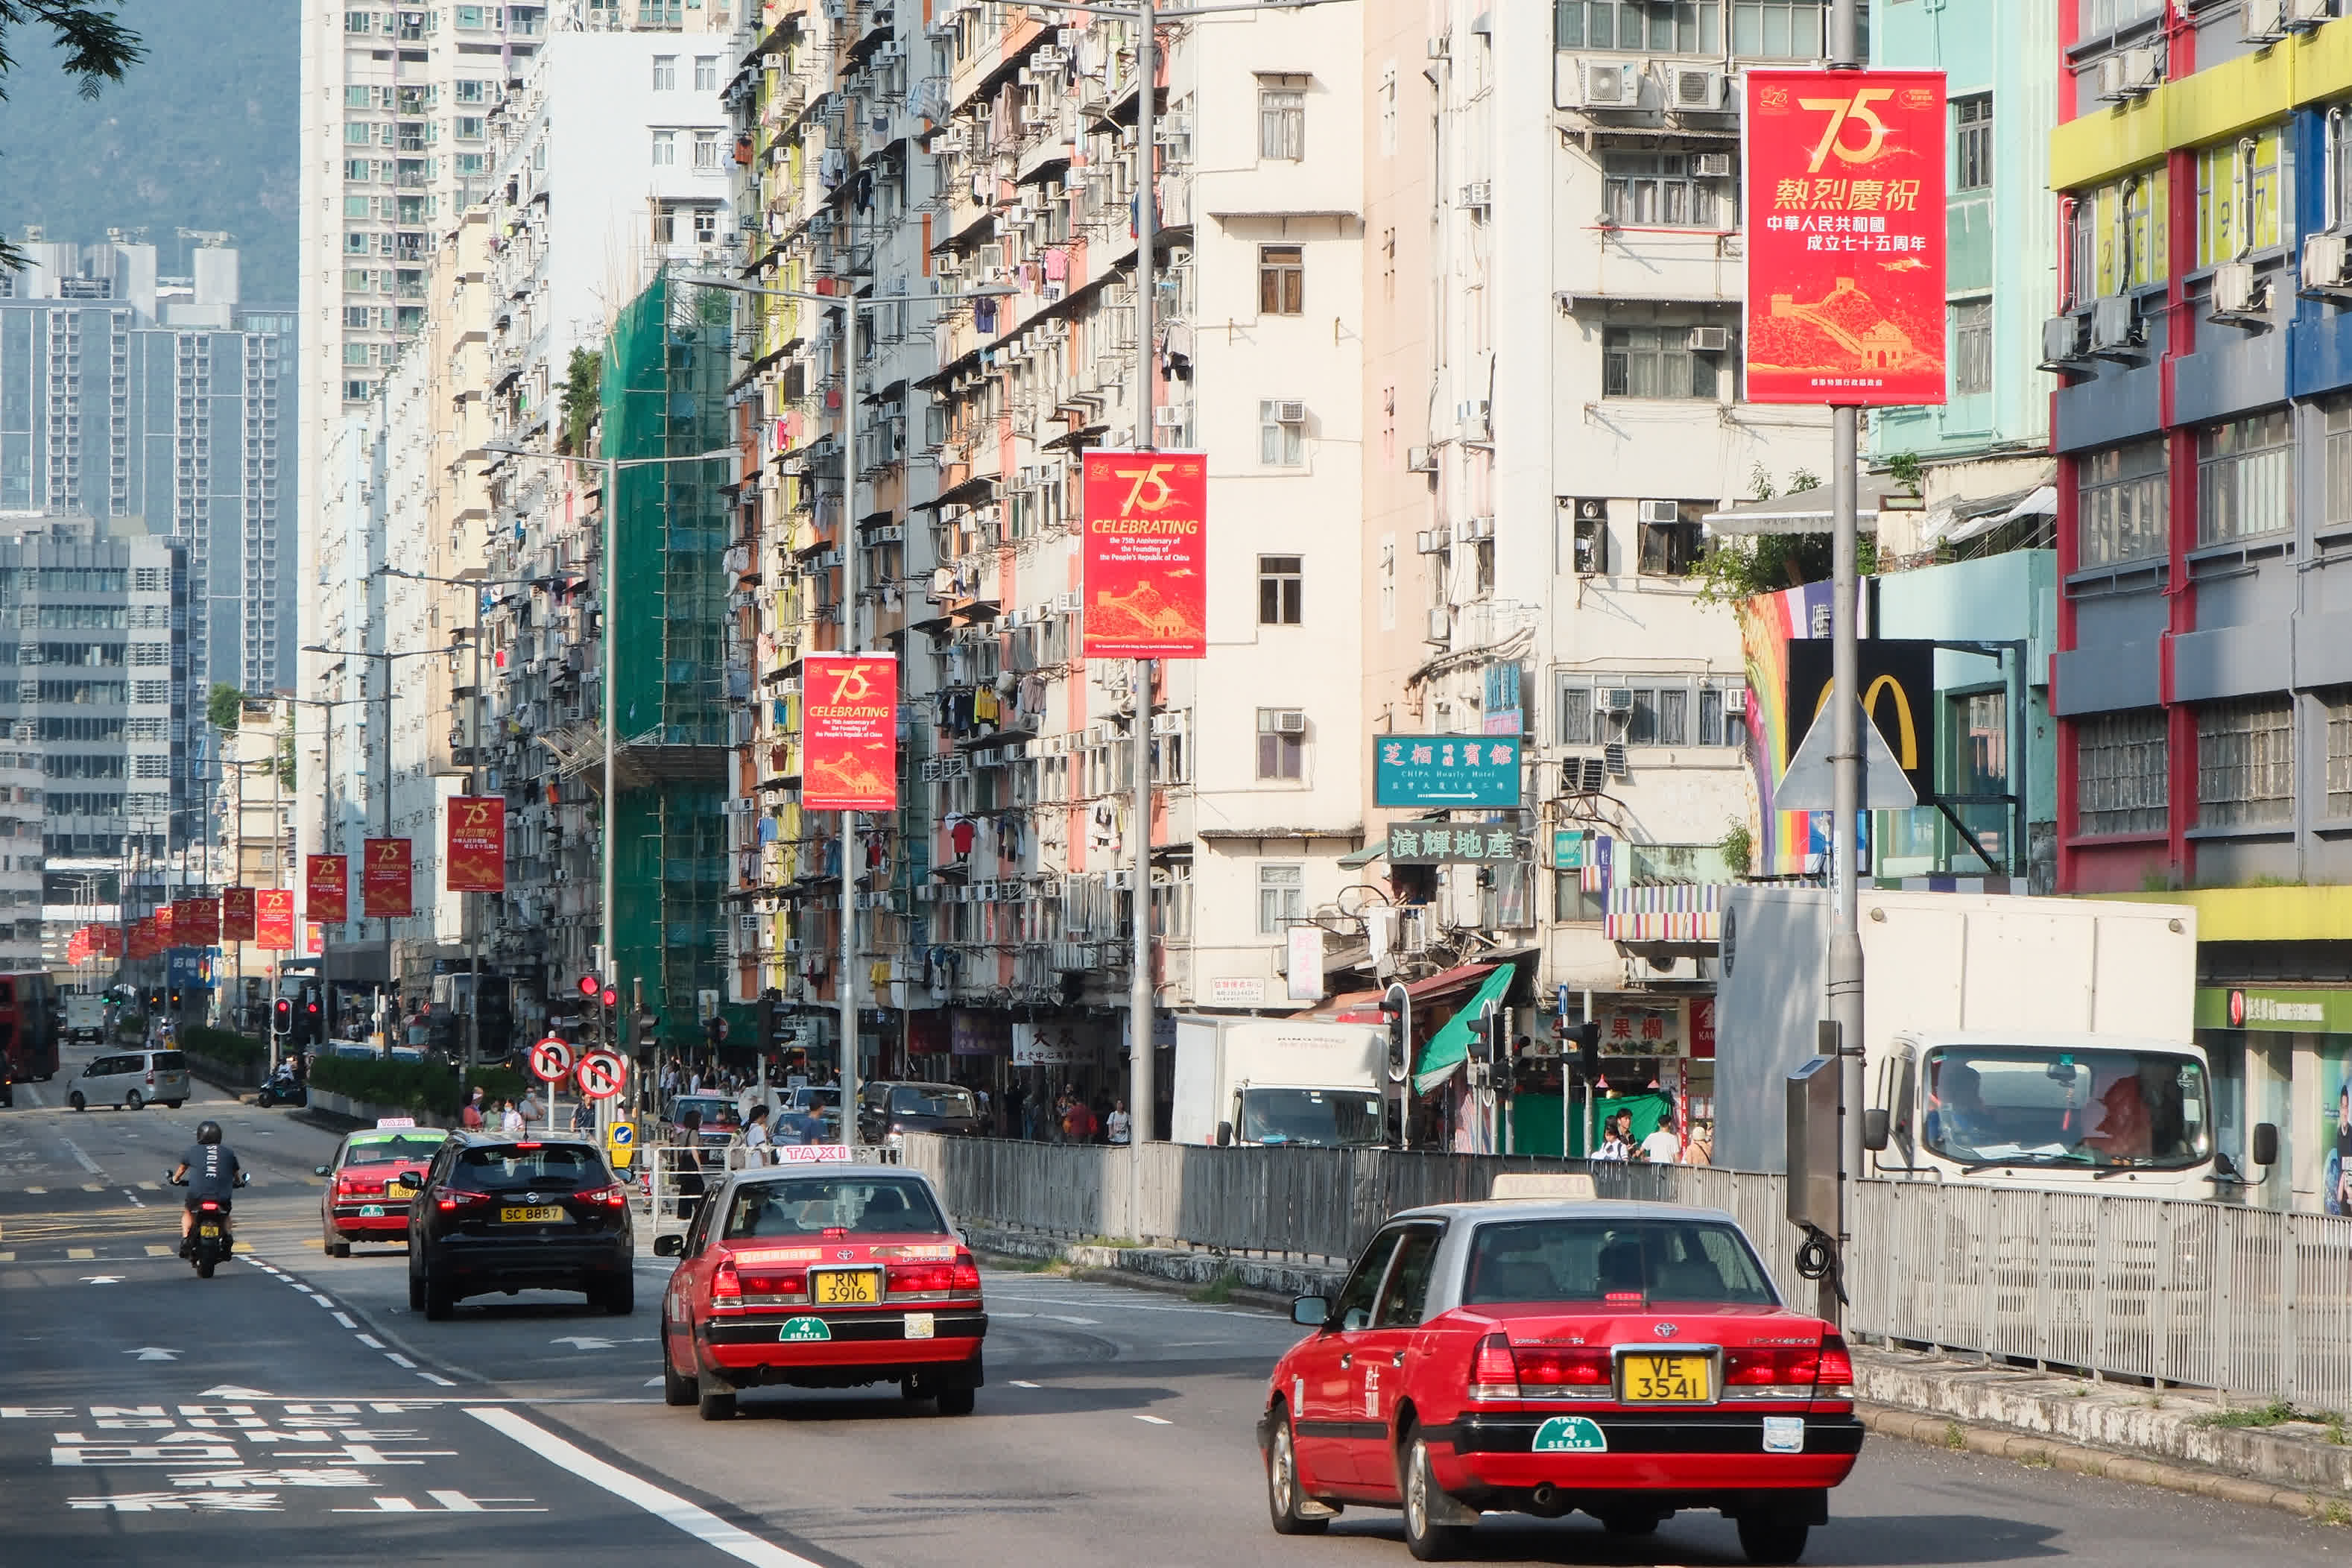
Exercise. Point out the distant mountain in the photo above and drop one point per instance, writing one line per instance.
(202, 135)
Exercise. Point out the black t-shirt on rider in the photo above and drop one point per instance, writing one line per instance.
(212, 1170)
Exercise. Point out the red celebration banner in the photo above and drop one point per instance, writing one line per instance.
(1145, 561)
(274, 918)
(385, 888)
(195, 922)
(327, 888)
(77, 946)
(477, 857)
(166, 921)
(1844, 176)
(107, 942)
(144, 942)
(236, 914)
(849, 724)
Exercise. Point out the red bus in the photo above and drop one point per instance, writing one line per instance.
(28, 1025)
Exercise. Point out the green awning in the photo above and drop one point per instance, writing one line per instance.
(1366, 856)
(1450, 1047)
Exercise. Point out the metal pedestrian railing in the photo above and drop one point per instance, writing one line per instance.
(2250, 1302)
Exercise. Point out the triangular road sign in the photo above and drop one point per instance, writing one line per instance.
(1809, 783)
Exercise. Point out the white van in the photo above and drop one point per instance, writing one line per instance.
(129, 1080)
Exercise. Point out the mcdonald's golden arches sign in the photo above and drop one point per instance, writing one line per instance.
(1898, 692)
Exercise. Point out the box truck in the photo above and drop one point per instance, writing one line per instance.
(1268, 1081)
(2025, 1041)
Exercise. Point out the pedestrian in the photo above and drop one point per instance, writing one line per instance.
(1078, 1124)
(471, 1117)
(759, 1147)
(511, 1121)
(1702, 1144)
(1662, 1147)
(1118, 1127)
(584, 1116)
(1616, 1137)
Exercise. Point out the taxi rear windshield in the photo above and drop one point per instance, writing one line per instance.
(391, 1152)
(869, 1206)
(1605, 1260)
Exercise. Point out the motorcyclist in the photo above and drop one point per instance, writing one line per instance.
(208, 1170)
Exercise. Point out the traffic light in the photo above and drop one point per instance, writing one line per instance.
(1486, 1033)
(281, 1017)
(591, 991)
(1396, 1006)
(767, 1041)
(1587, 1037)
(612, 998)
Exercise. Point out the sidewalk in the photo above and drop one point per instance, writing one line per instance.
(2183, 1441)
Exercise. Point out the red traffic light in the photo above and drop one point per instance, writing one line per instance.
(612, 997)
(590, 986)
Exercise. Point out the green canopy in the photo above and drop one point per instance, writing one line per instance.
(1450, 1047)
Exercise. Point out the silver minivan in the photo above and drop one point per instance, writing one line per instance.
(129, 1080)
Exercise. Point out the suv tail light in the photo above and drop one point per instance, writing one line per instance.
(1493, 1373)
(454, 1198)
(612, 1197)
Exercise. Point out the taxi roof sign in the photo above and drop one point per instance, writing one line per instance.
(385, 1121)
(1569, 1186)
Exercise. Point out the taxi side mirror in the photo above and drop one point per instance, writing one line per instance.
(1311, 1312)
(318, 1169)
(671, 1246)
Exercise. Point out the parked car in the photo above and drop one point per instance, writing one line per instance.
(499, 1213)
(1546, 1355)
(886, 1109)
(129, 1080)
(809, 1114)
(721, 1117)
(374, 1173)
(822, 1276)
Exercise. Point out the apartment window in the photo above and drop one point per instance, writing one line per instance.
(1281, 433)
(665, 148)
(1670, 549)
(472, 92)
(469, 128)
(2103, 16)
(469, 18)
(1281, 743)
(664, 73)
(355, 316)
(1972, 142)
(2122, 504)
(360, 208)
(1654, 27)
(1971, 347)
(1646, 711)
(2237, 197)
(2245, 477)
(359, 133)
(355, 353)
(473, 163)
(1280, 590)
(705, 149)
(2337, 423)
(358, 243)
(706, 225)
(2245, 762)
(2339, 754)
(2119, 772)
(359, 169)
(706, 73)
(358, 97)
(1282, 123)
(356, 391)
(1778, 30)
(1575, 725)
(1654, 362)
(1662, 190)
(359, 21)
(1281, 279)
(1281, 896)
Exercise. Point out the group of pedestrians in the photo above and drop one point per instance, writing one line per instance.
(1067, 1118)
(1664, 1146)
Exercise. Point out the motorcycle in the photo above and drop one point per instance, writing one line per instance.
(283, 1089)
(210, 1240)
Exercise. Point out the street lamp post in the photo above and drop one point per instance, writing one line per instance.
(850, 306)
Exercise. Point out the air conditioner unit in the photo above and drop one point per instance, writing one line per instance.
(888, 50)
(1168, 416)
(2128, 74)
(1616, 701)
(1693, 89)
(2325, 257)
(1430, 542)
(1473, 419)
(1441, 628)
(791, 945)
(1711, 165)
(1660, 511)
(1420, 460)
(2115, 325)
(1290, 412)
(1477, 528)
(2303, 14)
(2237, 291)
(1049, 59)
(1067, 601)
(1478, 195)
(1611, 86)
(1735, 700)
(1290, 722)
(1169, 128)
(2061, 339)
(772, 62)
(1711, 340)
(2261, 21)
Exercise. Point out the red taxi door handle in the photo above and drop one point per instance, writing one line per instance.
(1397, 1360)
(1349, 1360)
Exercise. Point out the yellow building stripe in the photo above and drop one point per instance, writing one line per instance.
(2262, 914)
(2215, 102)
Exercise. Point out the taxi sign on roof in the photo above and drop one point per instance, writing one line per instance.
(811, 1154)
(1572, 1186)
(383, 1123)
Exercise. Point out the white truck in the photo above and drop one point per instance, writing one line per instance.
(1269, 1081)
(2031, 1042)
(85, 1016)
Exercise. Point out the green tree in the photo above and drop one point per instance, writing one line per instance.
(1742, 566)
(583, 377)
(98, 49)
(226, 706)
(286, 759)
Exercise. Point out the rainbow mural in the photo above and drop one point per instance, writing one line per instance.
(1788, 843)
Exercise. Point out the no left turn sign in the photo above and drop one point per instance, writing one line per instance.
(602, 1073)
(551, 1058)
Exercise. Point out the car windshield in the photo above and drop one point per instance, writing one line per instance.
(811, 1205)
(1599, 1258)
(942, 1100)
(1316, 1118)
(528, 1161)
(814, 1099)
(716, 1112)
(2036, 1107)
(391, 1152)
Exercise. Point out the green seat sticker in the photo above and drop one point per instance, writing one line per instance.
(801, 1330)
(1569, 1435)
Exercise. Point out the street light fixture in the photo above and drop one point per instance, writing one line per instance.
(851, 305)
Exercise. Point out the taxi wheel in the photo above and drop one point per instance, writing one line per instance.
(678, 1393)
(716, 1403)
(1428, 1542)
(1282, 1497)
(335, 1247)
(1772, 1541)
(957, 1401)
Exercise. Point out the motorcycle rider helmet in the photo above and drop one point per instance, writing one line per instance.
(208, 1132)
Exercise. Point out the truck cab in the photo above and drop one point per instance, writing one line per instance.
(2110, 1112)
(1278, 1083)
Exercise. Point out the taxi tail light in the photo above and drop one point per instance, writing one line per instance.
(905, 1277)
(612, 1197)
(1836, 1365)
(966, 1273)
(1540, 1369)
(778, 1282)
(1494, 1374)
(725, 1285)
(1827, 1365)
(454, 1198)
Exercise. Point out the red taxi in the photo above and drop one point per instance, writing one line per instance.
(822, 1276)
(374, 1173)
(1542, 1356)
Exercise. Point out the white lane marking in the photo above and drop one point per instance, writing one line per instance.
(1065, 1318)
(399, 1359)
(1100, 1304)
(135, 1202)
(371, 1341)
(436, 1377)
(1157, 1420)
(700, 1523)
(1016, 1383)
(75, 1150)
(345, 1319)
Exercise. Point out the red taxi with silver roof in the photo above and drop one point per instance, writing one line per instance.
(820, 1274)
(370, 1182)
(1547, 1352)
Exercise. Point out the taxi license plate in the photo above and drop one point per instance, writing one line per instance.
(545, 1213)
(844, 1288)
(371, 1211)
(1651, 1379)
(209, 1229)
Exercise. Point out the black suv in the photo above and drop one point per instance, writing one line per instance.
(501, 1213)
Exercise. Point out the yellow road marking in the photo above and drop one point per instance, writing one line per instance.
(37, 1189)
(150, 1187)
(93, 1187)
(155, 1251)
(80, 1254)
(7, 1257)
